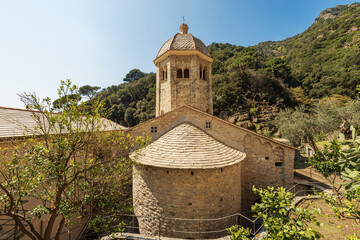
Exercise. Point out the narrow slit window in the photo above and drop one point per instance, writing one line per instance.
(179, 73)
(204, 74)
(278, 164)
(153, 129)
(163, 76)
(186, 73)
(200, 73)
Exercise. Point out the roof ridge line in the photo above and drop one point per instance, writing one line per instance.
(18, 109)
(193, 40)
(172, 41)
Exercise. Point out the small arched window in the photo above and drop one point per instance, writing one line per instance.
(200, 73)
(204, 74)
(179, 73)
(163, 75)
(186, 73)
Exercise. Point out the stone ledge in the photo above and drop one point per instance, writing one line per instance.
(142, 237)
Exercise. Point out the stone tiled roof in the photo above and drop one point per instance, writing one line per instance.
(188, 147)
(184, 41)
(20, 122)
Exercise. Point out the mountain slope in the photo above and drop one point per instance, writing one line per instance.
(325, 58)
(251, 84)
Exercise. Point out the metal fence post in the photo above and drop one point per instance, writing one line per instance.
(15, 231)
(199, 229)
(254, 227)
(159, 227)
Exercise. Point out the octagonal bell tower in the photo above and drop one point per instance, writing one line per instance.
(183, 74)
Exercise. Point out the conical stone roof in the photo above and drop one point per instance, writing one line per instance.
(188, 147)
(183, 41)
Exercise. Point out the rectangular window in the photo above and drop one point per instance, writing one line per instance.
(208, 125)
(278, 164)
(153, 129)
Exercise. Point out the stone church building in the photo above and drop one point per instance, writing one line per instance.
(198, 166)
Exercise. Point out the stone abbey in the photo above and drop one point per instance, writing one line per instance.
(198, 166)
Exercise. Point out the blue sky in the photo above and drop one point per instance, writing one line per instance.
(97, 42)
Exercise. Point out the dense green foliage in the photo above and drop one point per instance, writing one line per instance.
(305, 124)
(335, 161)
(132, 102)
(324, 58)
(244, 79)
(282, 219)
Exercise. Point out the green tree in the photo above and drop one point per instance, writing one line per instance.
(89, 91)
(300, 96)
(304, 124)
(334, 162)
(351, 116)
(68, 164)
(281, 218)
(62, 101)
(326, 162)
(239, 233)
(133, 75)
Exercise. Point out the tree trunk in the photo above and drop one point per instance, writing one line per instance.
(61, 226)
(312, 144)
(50, 227)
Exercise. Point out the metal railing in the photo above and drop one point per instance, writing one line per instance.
(169, 226)
(255, 224)
(315, 186)
(165, 227)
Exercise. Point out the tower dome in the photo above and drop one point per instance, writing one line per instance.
(183, 41)
(183, 74)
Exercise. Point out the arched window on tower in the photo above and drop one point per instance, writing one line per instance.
(179, 73)
(164, 74)
(186, 73)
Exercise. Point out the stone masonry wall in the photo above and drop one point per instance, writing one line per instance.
(185, 193)
(174, 92)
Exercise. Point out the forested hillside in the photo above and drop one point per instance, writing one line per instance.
(133, 101)
(325, 58)
(251, 84)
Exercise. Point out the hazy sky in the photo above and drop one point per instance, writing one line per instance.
(97, 42)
